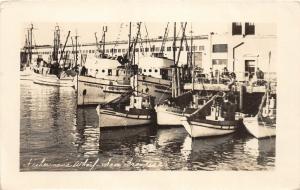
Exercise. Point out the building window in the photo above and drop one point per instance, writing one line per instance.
(157, 49)
(187, 48)
(181, 48)
(249, 28)
(220, 48)
(222, 62)
(236, 28)
(146, 49)
(168, 48)
(136, 49)
(142, 49)
(93, 51)
(201, 48)
(152, 49)
(123, 50)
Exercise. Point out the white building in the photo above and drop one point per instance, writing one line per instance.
(242, 49)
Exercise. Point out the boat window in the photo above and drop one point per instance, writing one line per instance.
(134, 100)
(144, 70)
(150, 70)
(109, 72)
(103, 71)
(155, 70)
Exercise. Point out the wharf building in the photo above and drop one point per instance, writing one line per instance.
(242, 49)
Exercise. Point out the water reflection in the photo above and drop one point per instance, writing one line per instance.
(53, 128)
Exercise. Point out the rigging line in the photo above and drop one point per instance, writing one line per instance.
(164, 94)
(147, 35)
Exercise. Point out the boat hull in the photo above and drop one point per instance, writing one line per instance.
(26, 74)
(209, 128)
(94, 91)
(168, 118)
(113, 119)
(53, 80)
(155, 87)
(259, 130)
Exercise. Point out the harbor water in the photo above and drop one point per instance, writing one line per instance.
(55, 135)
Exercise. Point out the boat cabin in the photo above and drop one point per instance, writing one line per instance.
(140, 102)
(222, 110)
(157, 67)
(100, 67)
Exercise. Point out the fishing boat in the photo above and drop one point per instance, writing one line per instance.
(55, 73)
(26, 56)
(138, 112)
(26, 74)
(219, 120)
(263, 124)
(154, 77)
(171, 112)
(104, 80)
(156, 72)
(43, 78)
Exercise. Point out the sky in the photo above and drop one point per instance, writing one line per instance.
(43, 32)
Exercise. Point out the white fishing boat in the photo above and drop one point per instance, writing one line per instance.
(171, 115)
(154, 78)
(54, 73)
(263, 125)
(220, 121)
(103, 80)
(53, 80)
(26, 74)
(114, 115)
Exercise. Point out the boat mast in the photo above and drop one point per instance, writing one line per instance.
(29, 45)
(76, 52)
(103, 37)
(56, 44)
(63, 50)
(162, 49)
(174, 70)
(129, 39)
(191, 60)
